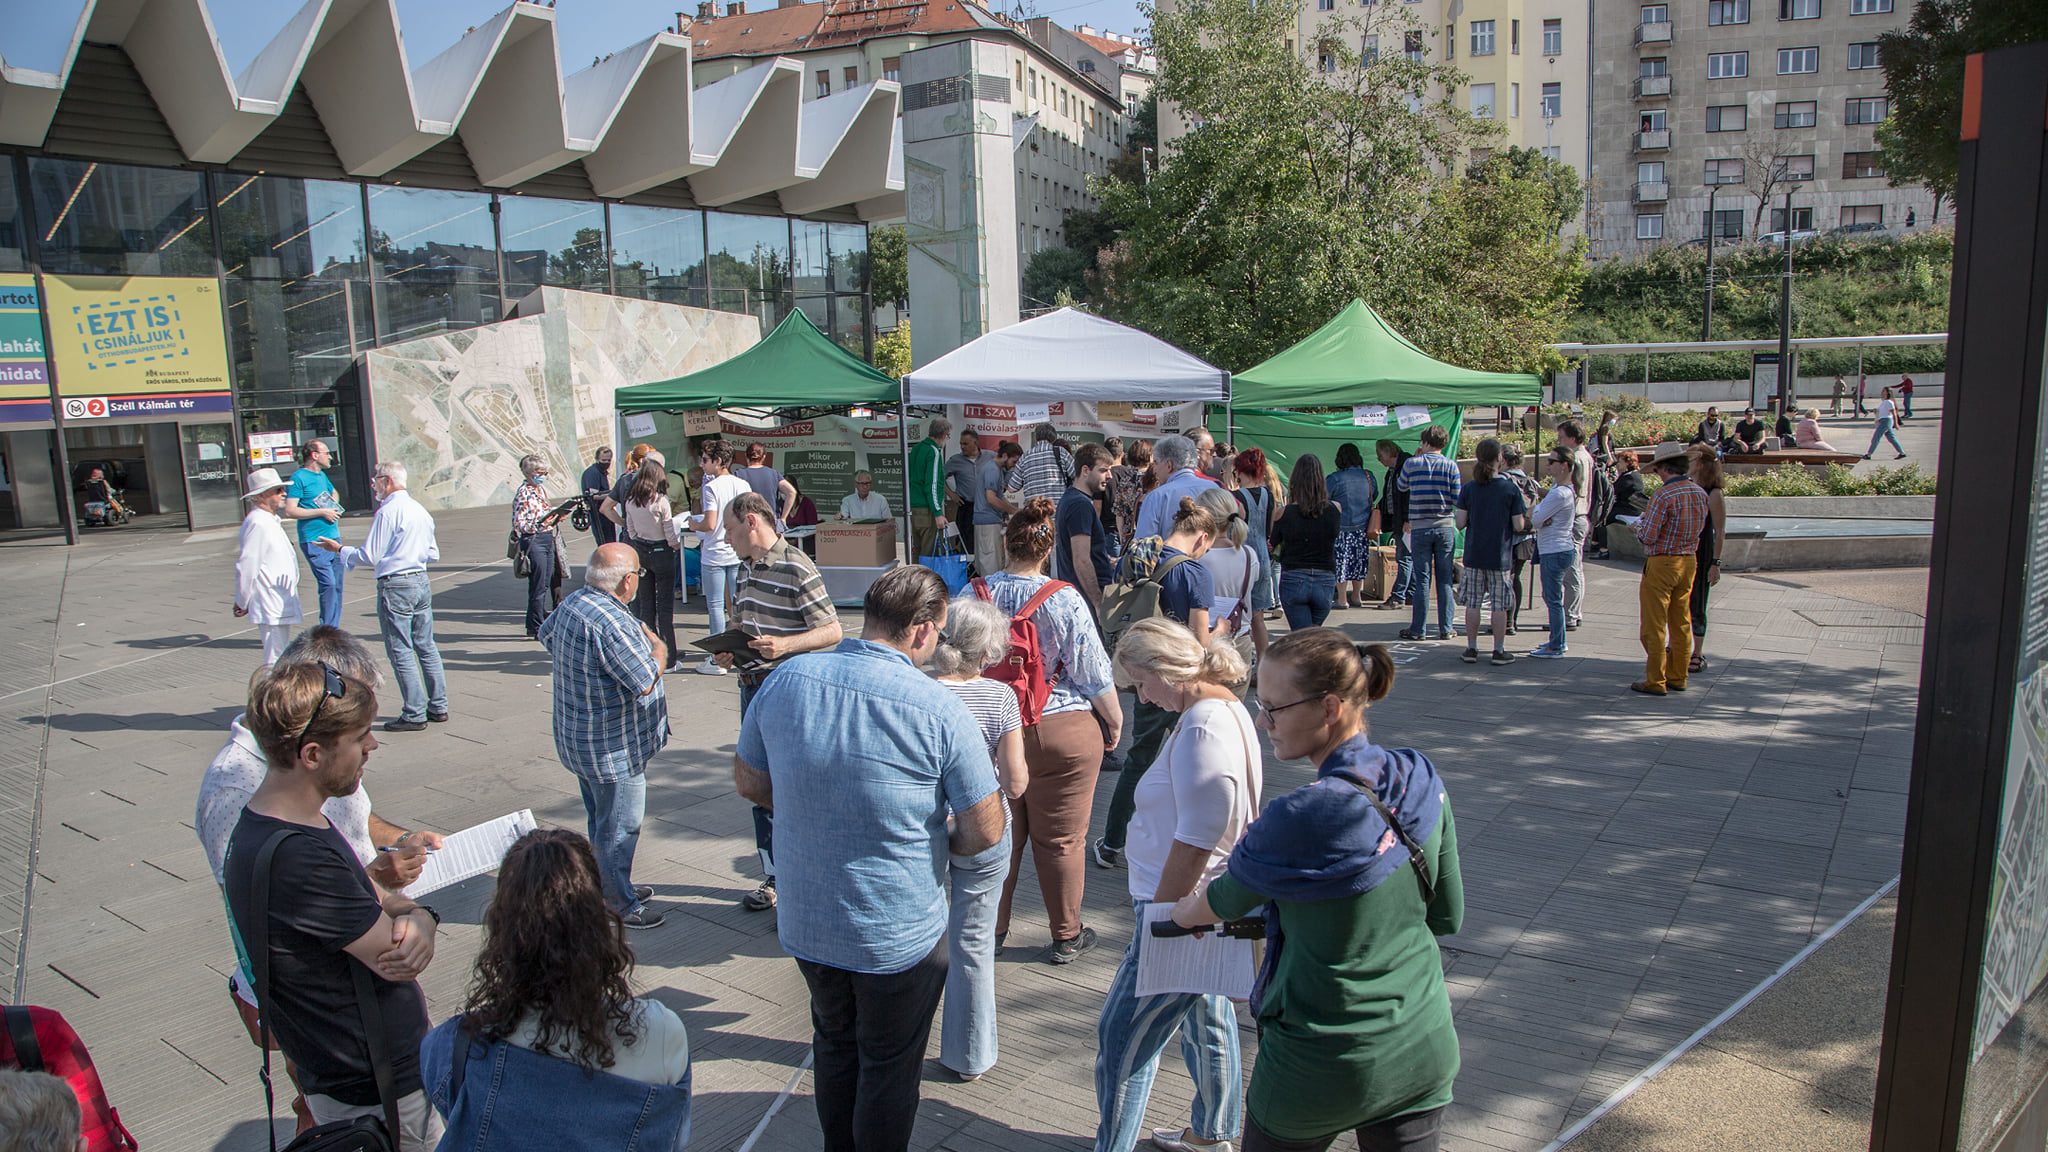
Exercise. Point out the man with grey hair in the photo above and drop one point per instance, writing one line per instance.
(610, 717)
(399, 547)
(39, 1113)
(392, 855)
(1173, 464)
(928, 487)
(864, 503)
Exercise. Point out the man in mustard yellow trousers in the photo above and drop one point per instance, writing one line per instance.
(1670, 535)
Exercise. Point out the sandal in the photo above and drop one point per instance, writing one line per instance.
(1697, 664)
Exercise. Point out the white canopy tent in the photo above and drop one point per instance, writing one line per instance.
(1066, 355)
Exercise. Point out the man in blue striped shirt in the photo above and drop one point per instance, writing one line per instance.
(1431, 482)
(611, 715)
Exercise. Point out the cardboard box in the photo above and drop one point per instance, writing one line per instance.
(1379, 582)
(856, 545)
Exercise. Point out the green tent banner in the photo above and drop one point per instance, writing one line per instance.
(1357, 359)
(795, 365)
(1284, 436)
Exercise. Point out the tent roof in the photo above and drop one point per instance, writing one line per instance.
(795, 364)
(1065, 355)
(1357, 359)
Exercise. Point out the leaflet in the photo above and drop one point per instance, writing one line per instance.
(471, 852)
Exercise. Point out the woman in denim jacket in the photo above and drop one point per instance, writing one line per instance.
(553, 1049)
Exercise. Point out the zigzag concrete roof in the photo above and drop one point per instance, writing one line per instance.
(633, 119)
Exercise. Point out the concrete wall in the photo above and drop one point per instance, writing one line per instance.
(1835, 507)
(1814, 389)
(960, 196)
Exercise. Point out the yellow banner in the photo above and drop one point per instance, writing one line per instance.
(137, 336)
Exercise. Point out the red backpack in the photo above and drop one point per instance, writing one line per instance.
(39, 1040)
(1023, 666)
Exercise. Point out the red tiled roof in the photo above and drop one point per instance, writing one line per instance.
(1104, 45)
(834, 23)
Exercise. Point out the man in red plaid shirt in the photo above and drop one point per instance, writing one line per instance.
(1670, 535)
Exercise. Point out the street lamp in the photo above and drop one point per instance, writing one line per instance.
(1707, 314)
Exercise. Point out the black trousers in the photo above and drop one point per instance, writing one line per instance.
(868, 1041)
(602, 531)
(1415, 1132)
(655, 603)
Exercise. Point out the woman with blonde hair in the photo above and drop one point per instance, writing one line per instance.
(1358, 875)
(1192, 808)
(977, 634)
(1807, 434)
(1234, 567)
(1706, 472)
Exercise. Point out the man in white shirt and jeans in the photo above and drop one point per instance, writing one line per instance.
(864, 503)
(400, 546)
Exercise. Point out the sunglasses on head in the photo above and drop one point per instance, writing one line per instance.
(335, 688)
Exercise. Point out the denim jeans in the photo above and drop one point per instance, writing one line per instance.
(1883, 431)
(405, 612)
(717, 582)
(764, 820)
(1432, 559)
(1149, 727)
(967, 1036)
(1404, 569)
(327, 572)
(868, 1034)
(613, 813)
(1132, 1034)
(543, 582)
(1556, 566)
(1305, 596)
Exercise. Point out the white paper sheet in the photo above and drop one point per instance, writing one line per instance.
(1033, 413)
(1221, 607)
(1369, 415)
(640, 424)
(1411, 415)
(1210, 965)
(471, 852)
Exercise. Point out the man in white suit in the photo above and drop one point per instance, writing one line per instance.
(267, 569)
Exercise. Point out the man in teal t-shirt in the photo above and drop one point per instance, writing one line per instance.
(310, 500)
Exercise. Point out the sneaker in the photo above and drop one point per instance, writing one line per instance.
(675, 667)
(1502, 656)
(405, 725)
(1105, 856)
(437, 717)
(643, 892)
(1546, 652)
(1471, 656)
(1900, 456)
(644, 917)
(1183, 1140)
(1572, 625)
(1068, 951)
(1411, 634)
(1391, 602)
(710, 668)
(760, 899)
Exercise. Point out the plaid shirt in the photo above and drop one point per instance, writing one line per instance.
(607, 725)
(1431, 482)
(781, 594)
(1672, 523)
(529, 505)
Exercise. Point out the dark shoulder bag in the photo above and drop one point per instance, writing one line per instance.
(1416, 858)
(363, 1133)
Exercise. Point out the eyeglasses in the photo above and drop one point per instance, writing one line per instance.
(640, 572)
(336, 688)
(1263, 711)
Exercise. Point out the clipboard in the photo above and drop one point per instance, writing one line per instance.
(734, 643)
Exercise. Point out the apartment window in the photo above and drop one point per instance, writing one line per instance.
(852, 75)
(1552, 152)
(892, 68)
(1802, 219)
(1553, 37)
(1798, 9)
(1727, 65)
(1482, 37)
(1862, 214)
(1726, 223)
(1869, 7)
(1369, 49)
(1514, 37)
(1450, 41)
(1650, 66)
(1728, 118)
(1862, 165)
(1727, 12)
(1795, 169)
(1865, 110)
(1798, 61)
(1482, 101)
(1650, 172)
(1656, 14)
(1651, 121)
(1514, 100)
(1862, 56)
(1325, 62)
(1553, 100)
(1411, 45)
(1020, 76)
(1795, 114)
(824, 81)
(1650, 226)
(1326, 5)
(1727, 170)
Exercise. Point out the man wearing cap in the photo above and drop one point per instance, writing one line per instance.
(1670, 535)
(266, 569)
(399, 546)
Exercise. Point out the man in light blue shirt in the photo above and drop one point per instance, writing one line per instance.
(310, 499)
(1173, 461)
(399, 547)
(861, 756)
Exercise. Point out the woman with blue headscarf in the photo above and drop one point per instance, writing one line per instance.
(1358, 875)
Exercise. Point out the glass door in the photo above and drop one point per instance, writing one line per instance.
(211, 491)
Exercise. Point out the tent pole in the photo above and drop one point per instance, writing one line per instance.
(903, 437)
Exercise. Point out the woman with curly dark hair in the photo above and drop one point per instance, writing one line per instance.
(553, 1047)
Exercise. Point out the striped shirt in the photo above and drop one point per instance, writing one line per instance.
(1672, 523)
(1431, 482)
(1043, 472)
(607, 725)
(993, 705)
(781, 594)
(1069, 647)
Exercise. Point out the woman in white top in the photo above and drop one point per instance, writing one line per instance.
(718, 564)
(1234, 567)
(1193, 806)
(1887, 417)
(977, 635)
(1552, 520)
(650, 527)
(267, 567)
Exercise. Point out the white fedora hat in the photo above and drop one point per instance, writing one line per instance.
(260, 481)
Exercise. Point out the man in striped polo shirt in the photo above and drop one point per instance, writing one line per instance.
(779, 600)
(1431, 482)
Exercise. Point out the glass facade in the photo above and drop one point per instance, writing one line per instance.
(554, 242)
(434, 258)
(116, 220)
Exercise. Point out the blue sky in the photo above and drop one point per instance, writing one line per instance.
(35, 35)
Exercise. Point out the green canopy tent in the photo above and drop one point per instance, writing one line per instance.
(794, 365)
(1357, 359)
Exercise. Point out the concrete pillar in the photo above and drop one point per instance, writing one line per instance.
(960, 195)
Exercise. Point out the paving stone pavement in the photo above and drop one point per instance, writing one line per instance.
(1632, 865)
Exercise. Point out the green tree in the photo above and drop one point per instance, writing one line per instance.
(892, 350)
(1563, 193)
(582, 262)
(1053, 271)
(1923, 68)
(888, 265)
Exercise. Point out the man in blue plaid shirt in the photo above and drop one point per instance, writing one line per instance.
(1430, 480)
(611, 715)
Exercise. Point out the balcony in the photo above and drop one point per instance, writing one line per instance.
(1657, 33)
(1652, 192)
(1648, 86)
(1656, 140)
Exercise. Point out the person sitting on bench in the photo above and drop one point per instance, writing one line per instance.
(1749, 433)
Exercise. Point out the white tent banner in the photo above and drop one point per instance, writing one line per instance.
(995, 423)
(1062, 355)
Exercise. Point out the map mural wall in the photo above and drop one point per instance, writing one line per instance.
(460, 408)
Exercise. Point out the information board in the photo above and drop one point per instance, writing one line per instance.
(24, 367)
(132, 346)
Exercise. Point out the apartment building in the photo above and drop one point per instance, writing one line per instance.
(1069, 94)
(1722, 99)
